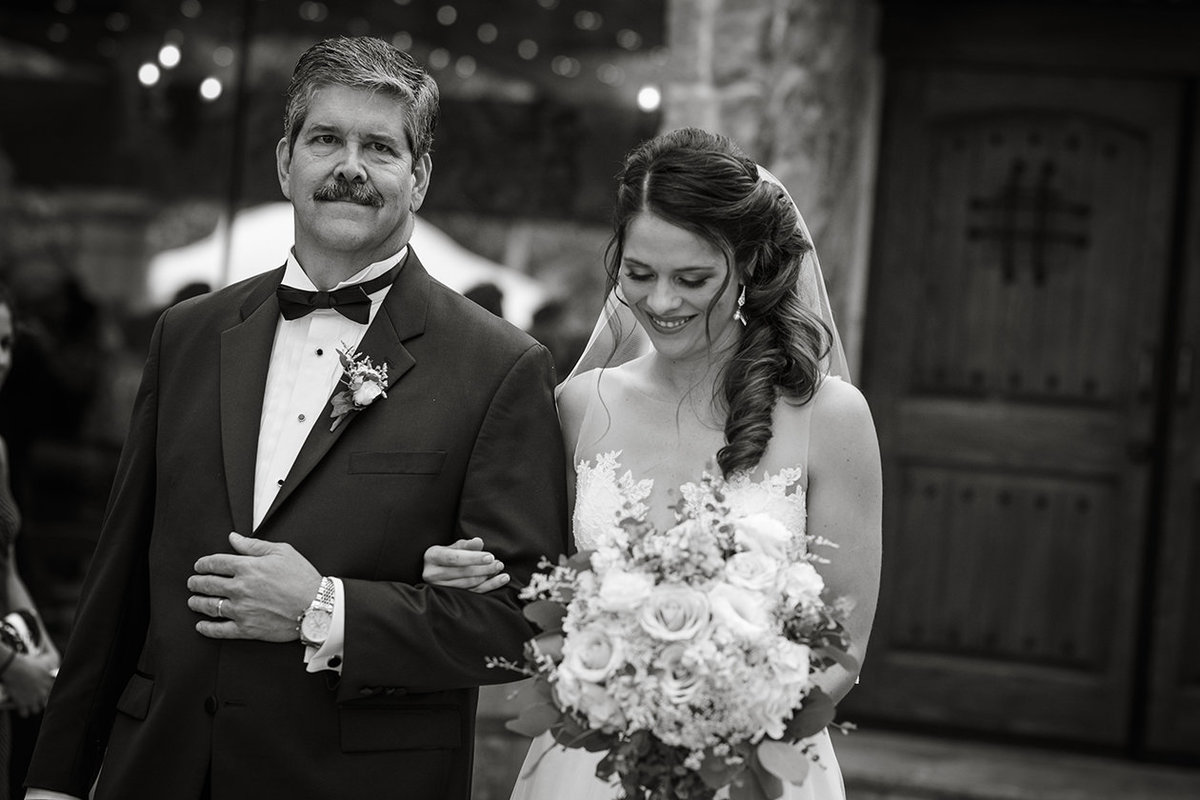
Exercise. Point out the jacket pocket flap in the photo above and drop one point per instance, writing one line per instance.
(366, 728)
(412, 462)
(135, 700)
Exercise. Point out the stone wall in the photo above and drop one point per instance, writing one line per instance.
(797, 84)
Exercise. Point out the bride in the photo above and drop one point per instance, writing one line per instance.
(732, 366)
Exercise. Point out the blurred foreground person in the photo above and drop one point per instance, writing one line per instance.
(339, 414)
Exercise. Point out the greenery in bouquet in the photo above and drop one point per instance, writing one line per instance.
(688, 655)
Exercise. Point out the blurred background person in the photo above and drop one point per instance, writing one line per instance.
(25, 677)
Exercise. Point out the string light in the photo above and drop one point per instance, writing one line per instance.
(487, 33)
(628, 39)
(313, 12)
(649, 98)
(588, 21)
(610, 74)
(565, 66)
(210, 89)
(148, 74)
(169, 56)
(464, 67)
(527, 49)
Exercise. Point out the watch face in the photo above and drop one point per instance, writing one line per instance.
(314, 626)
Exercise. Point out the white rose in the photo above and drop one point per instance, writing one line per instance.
(592, 654)
(763, 533)
(752, 570)
(366, 393)
(790, 662)
(802, 584)
(679, 682)
(674, 613)
(566, 686)
(622, 591)
(741, 611)
(778, 698)
(602, 711)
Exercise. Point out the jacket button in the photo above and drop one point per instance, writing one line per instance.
(210, 704)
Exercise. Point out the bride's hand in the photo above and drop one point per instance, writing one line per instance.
(463, 565)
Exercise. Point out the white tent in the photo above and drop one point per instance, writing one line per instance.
(263, 234)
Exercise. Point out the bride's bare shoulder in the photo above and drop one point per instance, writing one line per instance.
(579, 389)
(840, 403)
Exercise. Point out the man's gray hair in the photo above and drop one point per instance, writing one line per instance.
(364, 62)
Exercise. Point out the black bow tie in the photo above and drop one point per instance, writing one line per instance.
(352, 302)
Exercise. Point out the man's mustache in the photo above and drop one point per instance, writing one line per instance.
(343, 190)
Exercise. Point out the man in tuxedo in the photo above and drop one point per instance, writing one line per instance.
(300, 656)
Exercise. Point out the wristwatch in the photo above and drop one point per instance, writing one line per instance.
(317, 619)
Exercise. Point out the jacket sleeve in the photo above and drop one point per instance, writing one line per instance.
(418, 638)
(111, 621)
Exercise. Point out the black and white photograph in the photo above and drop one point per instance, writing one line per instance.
(599, 399)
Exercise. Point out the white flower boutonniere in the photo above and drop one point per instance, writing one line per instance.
(364, 381)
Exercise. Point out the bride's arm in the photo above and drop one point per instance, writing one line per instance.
(845, 506)
(466, 564)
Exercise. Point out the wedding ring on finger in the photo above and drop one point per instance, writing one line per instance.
(220, 614)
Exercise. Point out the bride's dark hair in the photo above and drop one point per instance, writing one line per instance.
(704, 183)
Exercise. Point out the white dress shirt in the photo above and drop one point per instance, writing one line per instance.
(303, 372)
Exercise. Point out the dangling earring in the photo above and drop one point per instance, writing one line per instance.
(738, 315)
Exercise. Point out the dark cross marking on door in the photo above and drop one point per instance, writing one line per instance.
(1026, 215)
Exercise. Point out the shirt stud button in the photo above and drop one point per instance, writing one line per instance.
(210, 704)
(300, 417)
(320, 352)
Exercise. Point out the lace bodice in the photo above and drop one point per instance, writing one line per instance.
(604, 494)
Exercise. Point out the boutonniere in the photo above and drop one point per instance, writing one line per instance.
(364, 381)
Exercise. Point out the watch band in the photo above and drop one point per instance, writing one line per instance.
(326, 595)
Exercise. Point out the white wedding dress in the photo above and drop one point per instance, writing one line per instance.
(604, 485)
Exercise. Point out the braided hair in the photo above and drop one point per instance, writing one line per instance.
(704, 183)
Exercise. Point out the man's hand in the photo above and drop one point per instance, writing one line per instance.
(256, 592)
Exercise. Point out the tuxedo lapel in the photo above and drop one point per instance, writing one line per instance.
(245, 358)
(400, 318)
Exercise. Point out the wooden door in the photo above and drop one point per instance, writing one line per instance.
(1014, 323)
(1173, 712)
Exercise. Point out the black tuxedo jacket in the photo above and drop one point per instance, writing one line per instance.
(466, 443)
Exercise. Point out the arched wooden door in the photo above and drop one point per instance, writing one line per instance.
(1015, 324)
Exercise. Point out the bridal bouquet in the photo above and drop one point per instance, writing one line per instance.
(687, 655)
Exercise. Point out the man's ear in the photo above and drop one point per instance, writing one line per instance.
(420, 175)
(283, 166)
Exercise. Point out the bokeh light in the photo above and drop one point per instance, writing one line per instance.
(649, 98)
